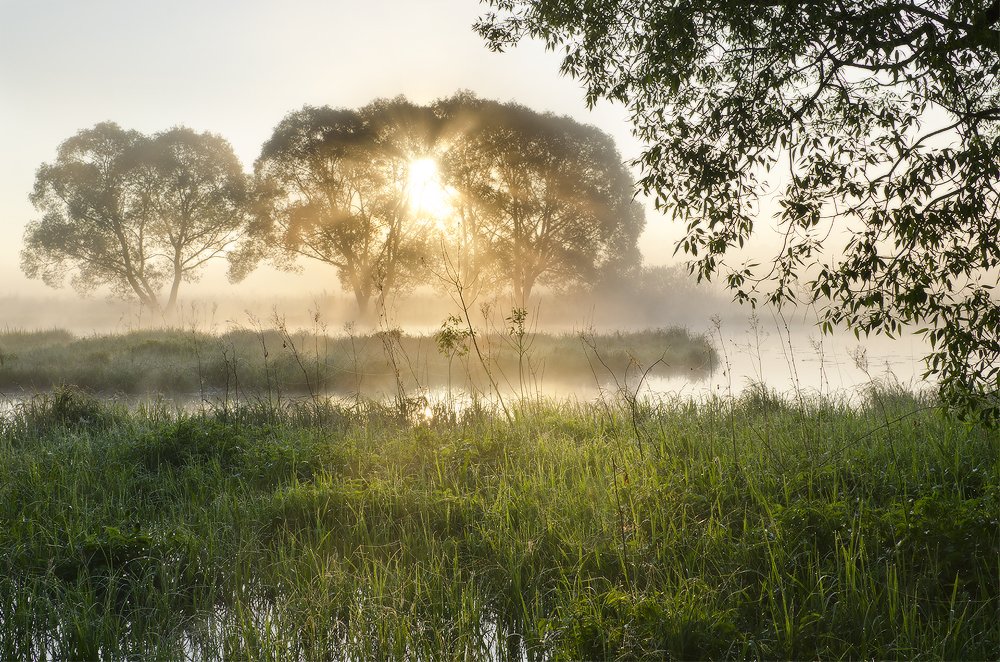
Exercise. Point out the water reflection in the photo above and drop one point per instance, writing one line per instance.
(791, 360)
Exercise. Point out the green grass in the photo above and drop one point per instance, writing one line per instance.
(331, 532)
(248, 362)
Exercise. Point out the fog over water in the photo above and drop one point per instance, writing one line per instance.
(786, 352)
(799, 360)
(237, 68)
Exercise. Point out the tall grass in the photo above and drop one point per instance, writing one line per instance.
(260, 361)
(323, 531)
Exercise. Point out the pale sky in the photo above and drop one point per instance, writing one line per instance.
(236, 67)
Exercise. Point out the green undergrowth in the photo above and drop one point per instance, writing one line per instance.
(275, 362)
(677, 530)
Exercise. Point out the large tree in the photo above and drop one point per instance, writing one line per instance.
(199, 201)
(336, 185)
(878, 122)
(548, 199)
(134, 213)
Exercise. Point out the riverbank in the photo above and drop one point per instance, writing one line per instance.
(619, 529)
(272, 363)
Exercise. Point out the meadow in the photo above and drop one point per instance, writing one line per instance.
(620, 528)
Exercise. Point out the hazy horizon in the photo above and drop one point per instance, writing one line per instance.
(237, 70)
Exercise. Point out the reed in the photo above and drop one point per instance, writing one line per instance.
(332, 531)
(270, 362)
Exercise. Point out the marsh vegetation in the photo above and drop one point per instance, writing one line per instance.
(757, 527)
(469, 441)
(275, 362)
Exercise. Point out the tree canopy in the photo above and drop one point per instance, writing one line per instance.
(518, 198)
(335, 189)
(550, 197)
(135, 212)
(869, 131)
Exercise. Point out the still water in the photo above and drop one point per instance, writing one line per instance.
(798, 358)
(791, 358)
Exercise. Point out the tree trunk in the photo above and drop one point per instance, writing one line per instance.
(149, 301)
(363, 300)
(143, 293)
(172, 300)
(525, 294)
(522, 291)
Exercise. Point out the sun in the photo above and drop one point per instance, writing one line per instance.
(427, 194)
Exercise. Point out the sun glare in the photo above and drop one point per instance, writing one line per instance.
(427, 194)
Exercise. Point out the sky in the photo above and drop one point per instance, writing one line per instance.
(236, 68)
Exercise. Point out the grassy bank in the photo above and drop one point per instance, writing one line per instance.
(274, 362)
(769, 529)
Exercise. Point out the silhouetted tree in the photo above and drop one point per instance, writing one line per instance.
(199, 199)
(336, 191)
(549, 199)
(879, 121)
(134, 213)
(464, 249)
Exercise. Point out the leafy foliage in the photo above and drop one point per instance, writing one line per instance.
(549, 199)
(876, 122)
(134, 212)
(532, 198)
(334, 185)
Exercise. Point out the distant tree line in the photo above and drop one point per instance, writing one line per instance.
(499, 197)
